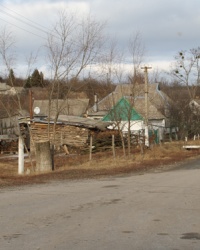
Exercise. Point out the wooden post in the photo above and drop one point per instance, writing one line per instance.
(90, 157)
(43, 156)
(66, 149)
(31, 104)
(113, 145)
(52, 155)
(20, 155)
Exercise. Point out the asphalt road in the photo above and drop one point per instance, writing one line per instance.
(158, 210)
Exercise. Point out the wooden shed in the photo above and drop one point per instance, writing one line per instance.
(68, 130)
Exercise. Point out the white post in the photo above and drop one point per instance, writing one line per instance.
(20, 155)
(90, 157)
(146, 95)
(146, 134)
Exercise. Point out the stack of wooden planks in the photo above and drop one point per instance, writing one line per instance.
(62, 135)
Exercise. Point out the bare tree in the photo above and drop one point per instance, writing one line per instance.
(181, 113)
(73, 45)
(7, 53)
(112, 63)
(137, 52)
(31, 59)
(7, 45)
(186, 70)
(13, 106)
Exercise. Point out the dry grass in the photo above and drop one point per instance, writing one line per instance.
(102, 164)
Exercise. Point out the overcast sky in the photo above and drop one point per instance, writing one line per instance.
(166, 26)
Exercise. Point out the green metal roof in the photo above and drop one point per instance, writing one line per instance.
(122, 111)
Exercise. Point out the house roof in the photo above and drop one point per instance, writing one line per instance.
(101, 113)
(122, 111)
(157, 99)
(76, 107)
(153, 111)
(16, 90)
(6, 89)
(77, 121)
(156, 96)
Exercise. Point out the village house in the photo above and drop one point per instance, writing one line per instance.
(127, 97)
(10, 111)
(6, 89)
(195, 106)
(14, 120)
(72, 107)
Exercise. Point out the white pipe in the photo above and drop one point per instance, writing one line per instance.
(20, 155)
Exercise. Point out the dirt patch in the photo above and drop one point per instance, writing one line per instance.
(103, 164)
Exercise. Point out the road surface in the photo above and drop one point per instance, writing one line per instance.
(157, 210)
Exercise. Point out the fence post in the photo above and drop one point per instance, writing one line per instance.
(90, 157)
(43, 156)
(113, 145)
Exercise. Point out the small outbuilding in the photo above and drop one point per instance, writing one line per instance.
(70, 131)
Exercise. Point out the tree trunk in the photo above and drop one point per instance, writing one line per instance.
(129, 138)
(43, 156)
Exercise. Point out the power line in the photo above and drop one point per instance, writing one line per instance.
(32, 24)
(23, 29)
(40, 27)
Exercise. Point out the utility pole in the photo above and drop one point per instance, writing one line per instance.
(31, 104)
(146, 95)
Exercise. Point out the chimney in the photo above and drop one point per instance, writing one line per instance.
(95, 103)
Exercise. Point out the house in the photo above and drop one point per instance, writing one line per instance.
(74, 107)
(4, 88)
(8, 90)
(158, 106)
(11, 112)
(195, 106)
(123, 113)
(9, 115)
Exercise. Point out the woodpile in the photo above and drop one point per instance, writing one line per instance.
(64, 135)
(137, 139)
(76, 139)
(103, 140)
(8, 146)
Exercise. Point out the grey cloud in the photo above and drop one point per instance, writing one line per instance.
(166, 25)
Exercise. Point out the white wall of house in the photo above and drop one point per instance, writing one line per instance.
(157, 123)
(135, 126)
(160, 126)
